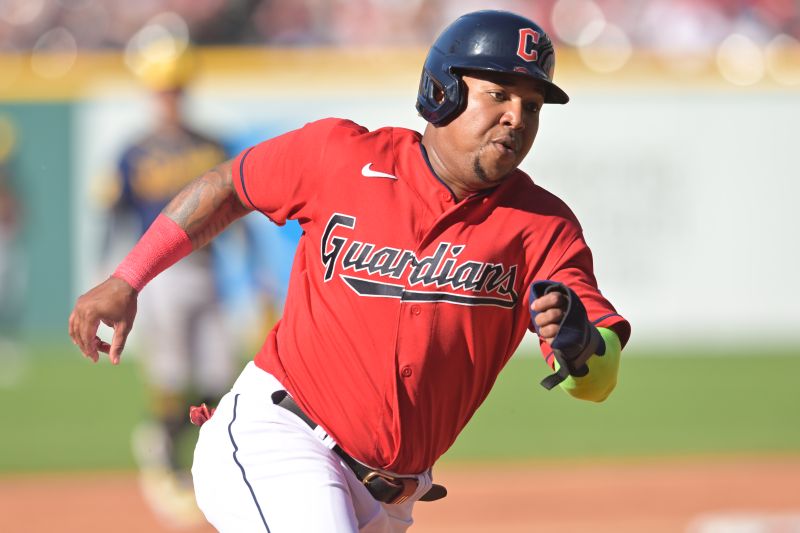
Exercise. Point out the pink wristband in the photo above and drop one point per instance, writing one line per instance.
(162, 245)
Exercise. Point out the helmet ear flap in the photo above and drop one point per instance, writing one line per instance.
(430, 96)
(428, 86)
(438, 103)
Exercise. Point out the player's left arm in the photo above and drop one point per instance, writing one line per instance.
(582, 333)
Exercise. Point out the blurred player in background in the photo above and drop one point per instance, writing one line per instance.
(10, 217)
(187, 352)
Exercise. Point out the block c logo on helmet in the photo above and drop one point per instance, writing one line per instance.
(528, 38)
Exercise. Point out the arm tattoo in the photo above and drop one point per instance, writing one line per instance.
(207, 205)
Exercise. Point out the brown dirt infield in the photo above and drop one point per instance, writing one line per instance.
(678, 495)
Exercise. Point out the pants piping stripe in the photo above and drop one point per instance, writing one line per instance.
(236, 460)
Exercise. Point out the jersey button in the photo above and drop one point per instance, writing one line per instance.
(406, 372)
(415, 310)
(444, 195)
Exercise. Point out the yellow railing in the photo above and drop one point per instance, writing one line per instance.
(29, 77)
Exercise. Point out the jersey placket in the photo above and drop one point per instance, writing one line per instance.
(416, 320)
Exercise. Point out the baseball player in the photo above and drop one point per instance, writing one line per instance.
(424, 260)
(187, 356)
(10, 226)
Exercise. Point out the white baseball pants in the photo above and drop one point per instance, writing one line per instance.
(258, 467)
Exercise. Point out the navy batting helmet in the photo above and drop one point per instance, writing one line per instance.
(496, 41)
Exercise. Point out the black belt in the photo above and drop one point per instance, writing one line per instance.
(383, 487)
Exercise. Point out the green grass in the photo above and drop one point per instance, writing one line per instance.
(65, 413)
(663, 405)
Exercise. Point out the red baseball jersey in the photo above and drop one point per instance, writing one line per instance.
(403, 304)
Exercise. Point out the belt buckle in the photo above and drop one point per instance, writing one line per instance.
(408, 484)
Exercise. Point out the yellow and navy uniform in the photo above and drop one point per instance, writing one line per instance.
(153, 170)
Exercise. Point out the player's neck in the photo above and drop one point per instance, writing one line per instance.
(438, 166)
(170, 128)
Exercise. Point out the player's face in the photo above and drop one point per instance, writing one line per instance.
(495, 132)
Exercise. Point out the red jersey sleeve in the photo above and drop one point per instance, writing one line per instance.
(280, 176)
(577, 272)
(575, 269)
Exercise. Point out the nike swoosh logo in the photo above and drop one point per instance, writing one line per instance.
(367, 172)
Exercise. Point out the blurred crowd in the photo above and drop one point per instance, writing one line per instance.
(42, 25)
